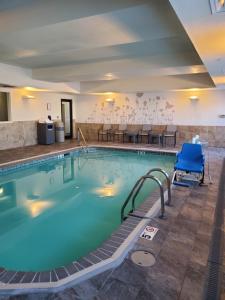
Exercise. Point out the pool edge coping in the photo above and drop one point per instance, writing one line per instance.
(63, 151)
(121, 147)
(37, 157)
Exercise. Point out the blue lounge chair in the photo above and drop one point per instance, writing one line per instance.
(190, 160)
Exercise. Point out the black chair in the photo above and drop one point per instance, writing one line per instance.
(170, 133)
(120, 132)
(145, 132)
(105, 131)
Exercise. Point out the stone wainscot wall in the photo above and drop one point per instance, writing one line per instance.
(24, 133)
(17, 134)
(20, 133)
(215, 135)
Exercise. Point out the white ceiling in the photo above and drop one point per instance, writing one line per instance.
(207, 33)
(120, 45)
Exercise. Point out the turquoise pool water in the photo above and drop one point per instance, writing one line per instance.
(60, 210)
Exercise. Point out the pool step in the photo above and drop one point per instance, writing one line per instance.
(180, 183)
(142, 216)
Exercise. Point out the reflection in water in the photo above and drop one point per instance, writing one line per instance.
(68, 169)
(37, 207)
(7, 196)
(47, 167)
(106, 191)
(1, 191)
(33, 197)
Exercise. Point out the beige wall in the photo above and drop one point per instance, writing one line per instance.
(24, 114)
(154, 108)
(23, 109)
(192, 117)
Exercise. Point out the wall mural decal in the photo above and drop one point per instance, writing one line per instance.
(139, 94)
(135, 110)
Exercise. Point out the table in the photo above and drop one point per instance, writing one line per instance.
(156, 135)
(132, 136)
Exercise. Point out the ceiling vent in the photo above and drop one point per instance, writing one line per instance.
(217, 6)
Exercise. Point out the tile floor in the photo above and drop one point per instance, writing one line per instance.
(181, 248)
(7, 156)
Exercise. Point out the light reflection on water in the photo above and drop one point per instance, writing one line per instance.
(35, 208)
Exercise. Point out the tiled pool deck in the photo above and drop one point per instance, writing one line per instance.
(29, 152)
(181, 246)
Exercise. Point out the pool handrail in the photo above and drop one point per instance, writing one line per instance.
(136, 188)
(168, 182)
(84, 143)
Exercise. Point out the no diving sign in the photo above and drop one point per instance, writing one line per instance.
(149, 233)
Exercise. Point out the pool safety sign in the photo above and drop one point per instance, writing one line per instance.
(149, 233)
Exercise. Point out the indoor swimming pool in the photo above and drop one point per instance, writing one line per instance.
(58, 210)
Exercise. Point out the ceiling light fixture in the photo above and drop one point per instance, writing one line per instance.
(217, 6)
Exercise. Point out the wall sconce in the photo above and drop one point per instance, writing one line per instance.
(195, 98)
(27, 97)
(110, 100)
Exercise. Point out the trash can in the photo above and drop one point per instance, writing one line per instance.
(59, 132)
(45, 133)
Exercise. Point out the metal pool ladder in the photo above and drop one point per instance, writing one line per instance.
(82, 141)
(137, 187)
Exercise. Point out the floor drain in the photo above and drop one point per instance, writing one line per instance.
(143, 258)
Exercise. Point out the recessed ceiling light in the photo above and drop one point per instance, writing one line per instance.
(193, 89)
(109, 75)
(33, 89)
(108, 93)
(26, 53)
